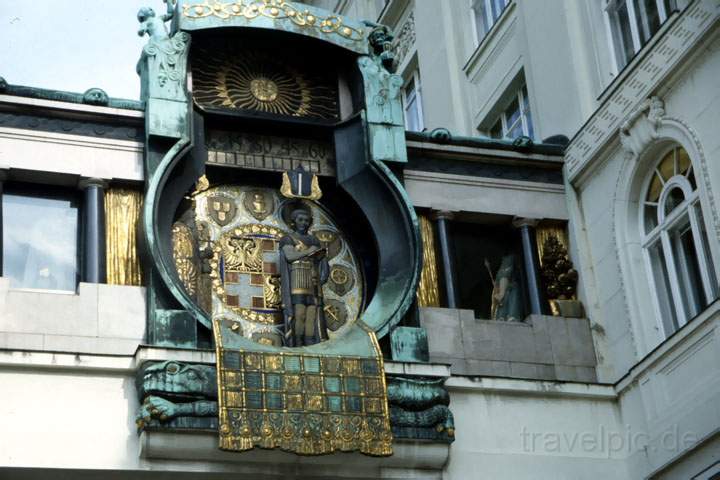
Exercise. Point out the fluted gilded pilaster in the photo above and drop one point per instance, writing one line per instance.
(428, 292)
(123, 208)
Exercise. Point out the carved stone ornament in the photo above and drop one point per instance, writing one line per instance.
(640, 128)
(405, 39)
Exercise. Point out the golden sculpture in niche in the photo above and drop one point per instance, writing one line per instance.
(557, 272)
(241, 228)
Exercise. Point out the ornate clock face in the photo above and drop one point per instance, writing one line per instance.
(242, 228)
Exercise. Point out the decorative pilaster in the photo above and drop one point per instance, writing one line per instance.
(442, 219)
(531, 262)
(93, 218)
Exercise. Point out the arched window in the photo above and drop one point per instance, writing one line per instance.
(675, 241)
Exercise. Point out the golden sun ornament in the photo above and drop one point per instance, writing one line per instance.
(243, 80)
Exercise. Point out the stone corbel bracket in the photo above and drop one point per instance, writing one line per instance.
(640, 128)
(419, 409)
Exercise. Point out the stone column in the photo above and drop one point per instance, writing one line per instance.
(531, 262)
(93, 221)
(442, 219)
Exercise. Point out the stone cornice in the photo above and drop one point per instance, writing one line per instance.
(656, 64)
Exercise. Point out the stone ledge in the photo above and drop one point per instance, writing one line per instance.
(532, 387)
(411, 459)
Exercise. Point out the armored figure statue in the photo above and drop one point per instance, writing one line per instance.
(303, 271)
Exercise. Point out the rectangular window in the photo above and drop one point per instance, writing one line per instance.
(633, 23)
(486, 13)
(40, 240)
(515, 120)
(412, 103)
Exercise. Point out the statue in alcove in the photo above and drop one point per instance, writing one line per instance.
(506, 300)
(304, 269)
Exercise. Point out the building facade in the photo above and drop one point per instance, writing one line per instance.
(536, 251)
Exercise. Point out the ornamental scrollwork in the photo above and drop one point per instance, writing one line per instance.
(275, 10)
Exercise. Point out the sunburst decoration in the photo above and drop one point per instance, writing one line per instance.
(256, 81)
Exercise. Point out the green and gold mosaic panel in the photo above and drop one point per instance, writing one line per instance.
(307, 404)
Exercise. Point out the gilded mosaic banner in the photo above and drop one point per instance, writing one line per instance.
(303, 403)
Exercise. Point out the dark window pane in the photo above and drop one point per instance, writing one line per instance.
(688, 270)
(40, 242)
(708, 256)
(496, 130)
(513, 112)
(515, 132)
(691, 179)
(410, 89)
(662, 287)
(650, 217)
(622, 36)
(648, 18)
(674, 198)
(530, 129)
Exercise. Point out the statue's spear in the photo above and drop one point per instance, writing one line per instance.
(492, 278)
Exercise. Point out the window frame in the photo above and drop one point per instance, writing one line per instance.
(610, 8)
(660, 234)
(413, 78)
(525, 116)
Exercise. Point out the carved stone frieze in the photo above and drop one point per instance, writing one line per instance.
(65, 125)
(405, 39)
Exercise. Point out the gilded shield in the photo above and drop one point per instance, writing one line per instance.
(221, 209)
(335, 314)
(341, 279)
(330, 241)
(259, 203)
(245, 268)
